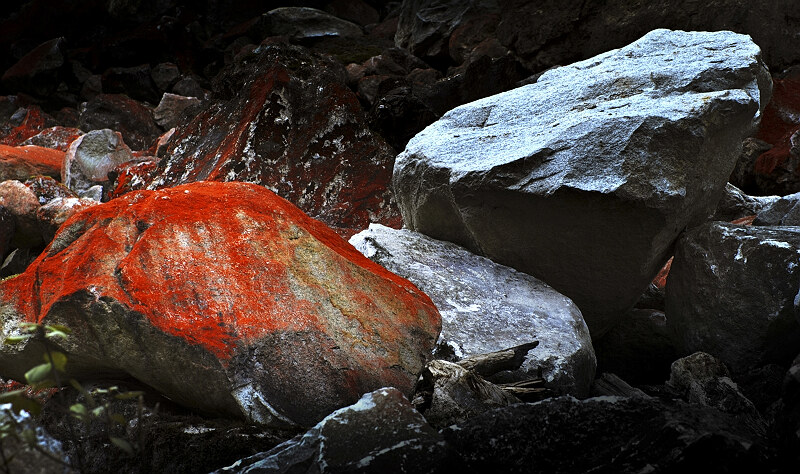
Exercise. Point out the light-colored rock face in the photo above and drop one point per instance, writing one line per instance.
(225, 298)
(585, 178)
(733, 292)
(90, 157)
(487, 307)
(783, 211)
(22, 205)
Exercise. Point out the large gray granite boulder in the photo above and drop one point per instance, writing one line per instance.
(487, 307)
(585, 178)
(734, 292)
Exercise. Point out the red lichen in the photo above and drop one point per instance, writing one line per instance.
(25, 161)
(778, 123)
(34, 122)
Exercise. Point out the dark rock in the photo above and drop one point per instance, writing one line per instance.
(136, 82)
(302, 23)
(399, 115)
(743, 175)
(783, 211)
(735, 204)
(17, 261)
(788, 418)
(189, 87)
(27, 448)
(597, 230)
(46, 189)
(174, 108)
(39, 72)
(610, 385)
(641, 434)
(165, 75)
(7, 229)
(57, 138)
(639, 348)
(22, 204)
(122, 114)
(762, 385)
(356, 11)
(382, 432)
(732, 292)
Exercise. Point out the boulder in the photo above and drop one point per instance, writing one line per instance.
(131, 176)
(91, 157)
(136, 82)
(582, 179)
(22, 203)
(788, 417)
(382, 432)
(302, 23)
(165, 75)
(51, 215)
(7, 229)
(171, 109)
(732, 292)
(781, 211)
(735, 204)
(39, 71)
(58, 138)
(223, 286)
(120, 113)
(27, 122)
(487, 307)
(356, 11)
(22, 162)
(639, 434)
(46, 189)
(293, 126)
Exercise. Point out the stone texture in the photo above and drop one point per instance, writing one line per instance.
(293, 126)
(131, 176)
(122, 114)
(487, 307)
(22, 162)
(91, 157)
(38, 72)
(782, 211)
(171, 109)
(136, 82)
(8, 227)
(582, 179)
(382, 432)
(732, 292)
(51, 215)
(58, 138)
(560, 435)
(735, 204)
(46, 189)
(301, 23)
(223, 286)
(22, 203)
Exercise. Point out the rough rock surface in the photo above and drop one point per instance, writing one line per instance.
(294, 127)
(562, 435)
(51, 215)
(22, 204)
(58, 138)
(172, 107)
(300, 23)
(782, 211)
(91, 157)
(582, 179)
(733, 292)
(382, 432)
(735, 204)
(22, 162)
(223, 286)
(487, 307)
(120, 113)
(7, 228)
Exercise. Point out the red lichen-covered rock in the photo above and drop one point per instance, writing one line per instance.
(294, 127)
(51, 215)
(22, 162)
(131, 176)
(32, 123)
(22, 203)
(58, 138)
(227, 299)
(46, 189)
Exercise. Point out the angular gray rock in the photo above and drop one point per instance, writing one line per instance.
(735, 204)
(585, 178)
(303, 22)
(382, 432)
(91, 157)
(783, 211)
(487, 307)
(733, 292)
(172, 107)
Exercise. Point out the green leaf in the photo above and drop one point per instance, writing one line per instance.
(39, 373)
(98, 411)
(79, 410)
(12, 340)
(29, 327)
(59, 360)
(122, 444)
(57, 330)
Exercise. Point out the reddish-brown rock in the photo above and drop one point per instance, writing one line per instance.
(58, 138)
(294, 127)
(46, 189)
(131, 176)
(22, 162)
(51, 215)
(33, 122)
(227, 299)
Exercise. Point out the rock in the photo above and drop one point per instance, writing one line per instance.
(58, 138)
(743, 175)
(136, 82)
(302, 23)
(51, 215)
(43, 455)
(704, 380)
(382, 432)
(131, 176)
(17, 261)
(189, 87)
(22, 203)
(780, 211)
(27, 122)
(640, 434)
(399, 115)
(91, 157)
(293, 126)
(155, 286)
(593, 200)
(356, 11)
(122, 114)
(735, 204)
(788, 417)
(171, 109)
(165, 75)
(457, 394)
(639, 348)
(38, 72)
(7, 229)
(610, 385)
(732, 292)
(46, 189)
(22, 162)
(487, 307)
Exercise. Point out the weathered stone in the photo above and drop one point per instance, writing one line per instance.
(399, 115)
(301, 22)
(46, 189)
(732, 292)
(735, 204)
(136, 82)
(27, 122)
(27, 448)
(357, 11)
(58, 138)
(610, 385)
(582, 178)
(51, 215)
(638, 348)
(131, 176)
(641, 434)
(8, 226)
(788, 418)
(17, 261)
(382, 432)
(38, 72)
(224, 286)
(294, 127)
(22, 203)
(22, 162)
(781, 211)
(743, 175)
(487, 307)
(132, 119)
(171, 109)
(91, 157)
(165, 75)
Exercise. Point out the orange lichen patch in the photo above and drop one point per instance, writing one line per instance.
(33, 123)
(58, 138)
(131, 176)
(219, 264)
(747, 220)
(661, 279)
(22, 162)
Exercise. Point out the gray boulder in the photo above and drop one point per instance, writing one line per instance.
(302, 22)
(783, 211)
(735, 204)
(733, 292)
(585, 178)
(172, 107)
(90, 157)
(382, 432)
(487, 307)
